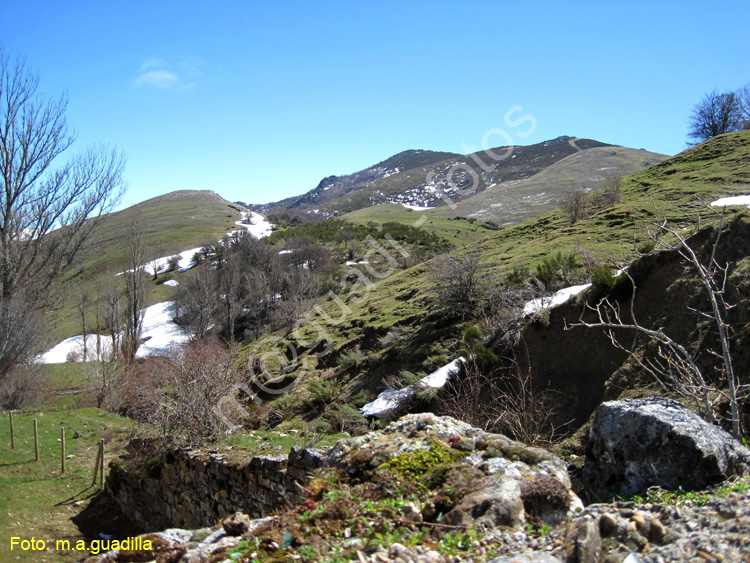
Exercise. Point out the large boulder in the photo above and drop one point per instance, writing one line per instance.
(501, 482)
(636, 444)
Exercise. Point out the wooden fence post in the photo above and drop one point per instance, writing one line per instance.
(101, 473)
(96, 463)
(36, 441)
(62, 439)
(12, 433)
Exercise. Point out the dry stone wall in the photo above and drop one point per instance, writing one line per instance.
(188, 489)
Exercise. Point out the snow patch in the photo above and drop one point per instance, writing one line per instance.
(159, 332)
(536, 305)
(255, 224)
(734, 200)
(171, 283)
(416, 207)
(391, 399)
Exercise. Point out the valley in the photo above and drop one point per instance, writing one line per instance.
(307, 325)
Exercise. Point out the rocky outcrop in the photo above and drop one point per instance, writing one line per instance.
(480, 497)
(636, 444)
(511, 483)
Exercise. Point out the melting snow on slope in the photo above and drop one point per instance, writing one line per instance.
(252, 222)
(734, 200)
(186, 262)
(161, 332)
(255, 224)
(390, 399)
(558, 298)
(158, 330)
(416, 207)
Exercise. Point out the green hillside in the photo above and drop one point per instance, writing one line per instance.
(457, 230)
(395, 327)
(169, 224)
(509, 203)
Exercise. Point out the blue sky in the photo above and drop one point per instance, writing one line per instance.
(260, 100)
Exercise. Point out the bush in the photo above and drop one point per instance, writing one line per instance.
(575, 205)
(361, 398)
(602, 277)
(350, 359)
(346, 418)
(557, 268)
(323, 392)
(173, 263)
(185, 395)
(461, 285)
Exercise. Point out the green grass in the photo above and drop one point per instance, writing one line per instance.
(37, 500)
(170, 224)
(675, 188)
(457, 231)
(509, 203)
(272, 442)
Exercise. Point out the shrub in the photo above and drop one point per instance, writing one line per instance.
(557, 268)
(350, 358)
(325, 392)
(575, 205)
(461, 285)
(361, 398)
(602, 277)
(173, 263)
(346, 418)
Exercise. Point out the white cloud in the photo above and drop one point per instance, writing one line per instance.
(162, 79)
(153, 62)
(159, 73)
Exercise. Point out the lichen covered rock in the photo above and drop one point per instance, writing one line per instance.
(636, 444)
(510, 484)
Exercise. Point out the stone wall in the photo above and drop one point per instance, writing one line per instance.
(188, 489)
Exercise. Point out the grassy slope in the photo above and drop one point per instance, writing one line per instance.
(37, 500)
(514, 202)
(170, 223)
(718, 168)
(457, 231)
(509, 203)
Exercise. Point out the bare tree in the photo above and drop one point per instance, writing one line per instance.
(716, 114)
(743, 99)
(83, 302)
(135, 293)
(461, 284)
(20, 339)
(196, 304)
(673, 365)
(46, 212)
(113, 314)
(191, 386)
(106, 375)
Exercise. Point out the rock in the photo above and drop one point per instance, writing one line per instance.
(410, 511)
(656, 531)
(607, 524)
(636, 444)
(237, 524)
(504, 482)
(527, 557)
(500, 505)
(588, 542)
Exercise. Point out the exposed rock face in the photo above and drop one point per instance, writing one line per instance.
(636, 444)
(513, 483)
